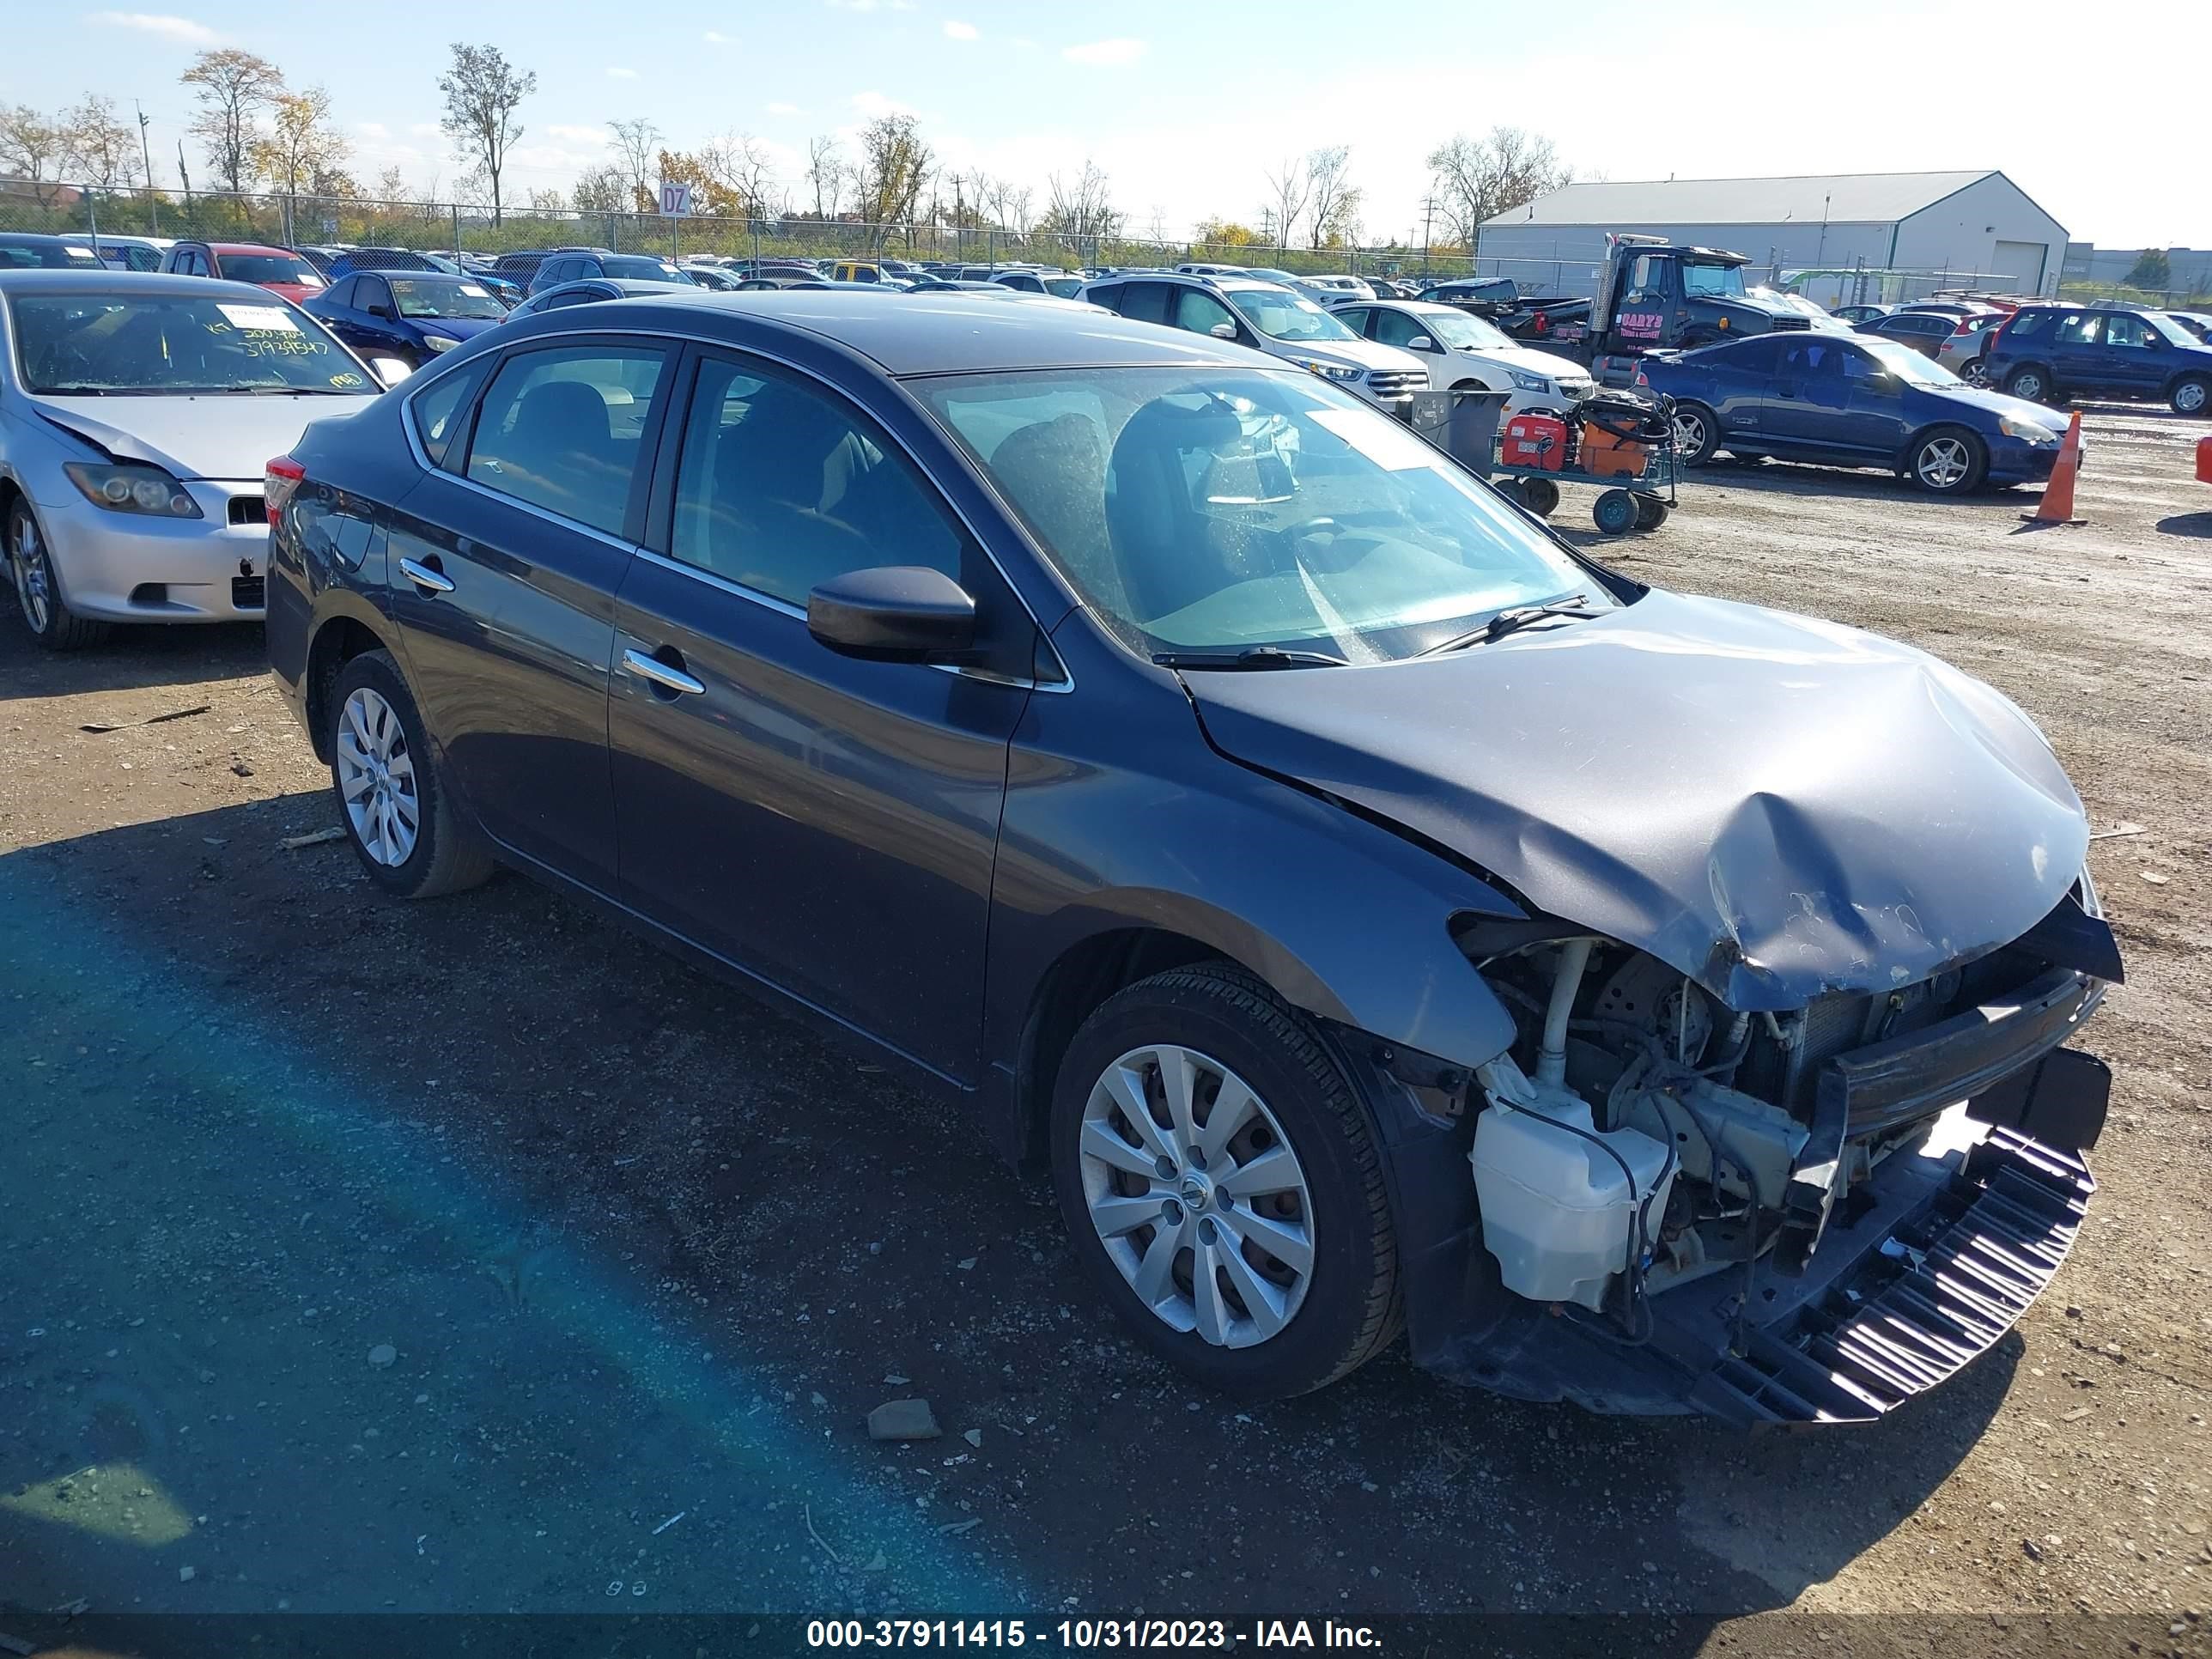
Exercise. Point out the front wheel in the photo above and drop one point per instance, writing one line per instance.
(1650, 512)
(2190, 396)
(1948, 461)
(1221, 1183)
(1697, 434)
(1975, 372)
(402, 822)
(1539, 495)
(39, 592)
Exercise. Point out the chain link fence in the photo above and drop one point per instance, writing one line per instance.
(287, 220)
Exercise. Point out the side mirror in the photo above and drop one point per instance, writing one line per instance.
(389, 371)
(1420, 342)
(382, 311)
(894, 613)
(1223, 331)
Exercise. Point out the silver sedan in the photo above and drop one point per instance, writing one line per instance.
(136, 414)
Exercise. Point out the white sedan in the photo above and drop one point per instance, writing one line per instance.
(136, 414)
(1462, 350)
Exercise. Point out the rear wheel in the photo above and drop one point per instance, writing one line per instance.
(2032, 382)
(1539, 495)
(1221, 1184)
(1616, 512)
(403, 823)
(38, 591)
(1948, 461)
(1697, 434)
(2190, 396)
(1650, 512)
(1975, 372)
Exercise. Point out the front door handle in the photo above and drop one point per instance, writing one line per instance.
(429, 579)
(660, 673)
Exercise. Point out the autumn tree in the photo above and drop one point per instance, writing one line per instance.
(895, 169)
(1472, 180)
(637, 142)
(101, 149)
(392, 185)
(482, 91)
(2151, 270)
(233, 89)
(34, 150)
(604, 189)
(1225, 233)
(302, 149)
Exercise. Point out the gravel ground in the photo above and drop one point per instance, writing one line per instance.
(359, 1257)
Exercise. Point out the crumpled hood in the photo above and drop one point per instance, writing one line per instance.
(1774, 805)
(222, 437)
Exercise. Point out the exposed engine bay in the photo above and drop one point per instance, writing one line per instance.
(1640, 1135)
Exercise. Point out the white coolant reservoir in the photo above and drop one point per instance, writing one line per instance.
(1557, 1213)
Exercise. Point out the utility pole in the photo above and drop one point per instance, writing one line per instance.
(184, 173)
(153, 196)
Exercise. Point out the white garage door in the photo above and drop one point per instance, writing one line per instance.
(2023, 262)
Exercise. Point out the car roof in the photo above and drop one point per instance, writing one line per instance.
(245, 247)
(40, 238)
(104, 280)
(936, 333)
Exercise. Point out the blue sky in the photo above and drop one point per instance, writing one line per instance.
(1187, 106)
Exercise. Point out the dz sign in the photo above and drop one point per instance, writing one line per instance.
(675, 200)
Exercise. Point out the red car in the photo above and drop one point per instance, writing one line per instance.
(276, 269)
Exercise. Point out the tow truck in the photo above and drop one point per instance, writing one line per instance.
(1655, 296)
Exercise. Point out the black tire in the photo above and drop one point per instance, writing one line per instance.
(1539, 495)
(448, 854)
(1615, 513)
(1695, 418)
(1650, 512)
(37, 586)
(1947, 460)
(2032, 382)
(1351, 1307)
(2192, 395)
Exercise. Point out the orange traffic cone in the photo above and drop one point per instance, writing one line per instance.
(2204, 460)
(2056, 505)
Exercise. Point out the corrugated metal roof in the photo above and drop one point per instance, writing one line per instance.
(1838, 198)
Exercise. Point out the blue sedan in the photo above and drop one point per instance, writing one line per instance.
(412, 315)
(1852, 401)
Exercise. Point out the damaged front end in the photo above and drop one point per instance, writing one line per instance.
(1801, 1215)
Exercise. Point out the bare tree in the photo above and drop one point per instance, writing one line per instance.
(482, 91)
(1474, 179)
(547, 201)
(392, 185)
(1335, 198)
(637, 142)
(743, 176)
(1288, 189)
(234, 88)
(34, 150)
(301, 143)
(101, 149)
(1081, 211)
(826, 172)
(1010, 206)
(605, 189)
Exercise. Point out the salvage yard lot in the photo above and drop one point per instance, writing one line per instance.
(639, 1250)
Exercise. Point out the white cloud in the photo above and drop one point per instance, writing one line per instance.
(426, 130)
(617, 72)
(716, 37)
(1105, 53)
(578, 134)
(958, 31)
(372, 129)
(785, 109)
(181, 29)
(874, 104)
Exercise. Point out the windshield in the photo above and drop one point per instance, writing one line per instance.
(415, 298)
(1281, 315)
(1456, 328)
(1905, 363)
(1066, 288)
(48, 254)
(1705, 280)
(1218, 510)
(286, 268)
(645, 269)
(2168, 329)
(169, 344)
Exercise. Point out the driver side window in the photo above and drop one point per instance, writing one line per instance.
(2124, 331)
(1395, 328)
(1201, 312)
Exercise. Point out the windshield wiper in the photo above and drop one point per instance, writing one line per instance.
(1517, 617)
(1257, 656)
(282, 390)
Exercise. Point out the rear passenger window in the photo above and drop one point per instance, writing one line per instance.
(1145, 302)
(437, 409)
(781, 487)
(2081, 328)
(561, 429)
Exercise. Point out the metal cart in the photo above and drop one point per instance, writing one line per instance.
(1464, 426)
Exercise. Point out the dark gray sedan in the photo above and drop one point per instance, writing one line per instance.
(1374, 914)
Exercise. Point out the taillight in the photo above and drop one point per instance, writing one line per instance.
(1966, 325)
(278, 480)
(1642, 378)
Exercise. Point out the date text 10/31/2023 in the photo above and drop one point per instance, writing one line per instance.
(1086, 1634)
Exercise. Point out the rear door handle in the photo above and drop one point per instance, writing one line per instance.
(423, 576)
(660, 673)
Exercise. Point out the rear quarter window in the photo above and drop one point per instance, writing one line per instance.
(439, 411)
(2027, 325)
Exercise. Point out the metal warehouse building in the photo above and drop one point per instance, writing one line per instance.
(1974, 224)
